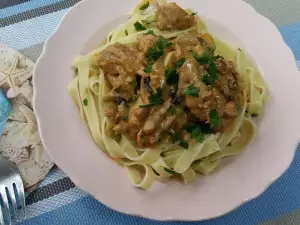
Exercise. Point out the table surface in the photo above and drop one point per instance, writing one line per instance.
(25, 24)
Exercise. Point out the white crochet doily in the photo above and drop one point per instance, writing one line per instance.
(20, 142)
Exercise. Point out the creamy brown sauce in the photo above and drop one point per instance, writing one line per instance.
(192, 87)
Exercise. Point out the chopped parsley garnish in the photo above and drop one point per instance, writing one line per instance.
(171, 76)
(148, 68)
(124, 117)
(205, 127)
(171, 171)
(184, 144)
(136, 83)
(163, 43)
(206, 57)
(172, 110)
(85, 102)
(150, 32)
(197, 131)
(145, 6)
(194, 13)
(157, 50)
(126, 32)
(154, 99)
(197, 134)
(180, 62)
(192, 91)
(202, 59)
(110, 38)
(211, 77)
(214, 118)
(212, 70)
(138, 26)
(176, 138)
(190, 127)
(157, 97)
(209, 80)
(154, 54)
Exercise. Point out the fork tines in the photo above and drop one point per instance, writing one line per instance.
(11, 199)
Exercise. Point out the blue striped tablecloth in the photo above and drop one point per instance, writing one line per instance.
(25, 24)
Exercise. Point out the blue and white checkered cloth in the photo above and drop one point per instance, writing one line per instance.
(58, 202)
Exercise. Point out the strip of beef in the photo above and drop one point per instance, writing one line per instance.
(155, 119)
(227, 79)
(146, 41)
(209, 98)
(120, 59)
(193, 41)
(171, 17)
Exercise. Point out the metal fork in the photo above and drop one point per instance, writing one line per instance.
(11, 191)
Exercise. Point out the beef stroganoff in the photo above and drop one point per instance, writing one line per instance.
(166, 99)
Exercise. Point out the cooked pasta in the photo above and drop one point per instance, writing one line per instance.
(164, 98)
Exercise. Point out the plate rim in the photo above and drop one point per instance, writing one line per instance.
(43, 58)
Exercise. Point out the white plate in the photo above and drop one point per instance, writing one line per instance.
(246, 176)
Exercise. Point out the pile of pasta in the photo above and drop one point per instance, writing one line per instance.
(144, 165)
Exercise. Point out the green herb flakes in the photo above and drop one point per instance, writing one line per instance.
(136, 83)
(163, 43)
(184, 144)
(209, 80)
(138, 26)
(196, 131)
(85, 102)
(145, 6)
(214, 118)
(189, 127)
(157, 50)
(154, 99)
(192, 91)
(176, 138)
(126, 32)
(172, 110)
(202, 59)
(212, 69)
(171, 76)
(171, 171)
(150, 32)
(180, 62)
(197, 134)
(206, 58)
(148, 68)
